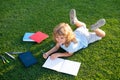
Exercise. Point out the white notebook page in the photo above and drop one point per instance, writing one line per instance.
(53, 64)
(70, 67)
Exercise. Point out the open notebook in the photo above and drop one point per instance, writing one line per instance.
(62, 65)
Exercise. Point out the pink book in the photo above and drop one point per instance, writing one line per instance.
(39, 36)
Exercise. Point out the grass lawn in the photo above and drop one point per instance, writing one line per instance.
(100, 61)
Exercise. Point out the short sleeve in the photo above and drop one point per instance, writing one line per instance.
(73, 47)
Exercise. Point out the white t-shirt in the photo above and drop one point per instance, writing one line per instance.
(81, 34)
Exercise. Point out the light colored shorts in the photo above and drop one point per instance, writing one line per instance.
(93, 37)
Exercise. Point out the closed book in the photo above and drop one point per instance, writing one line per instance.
(27, 59)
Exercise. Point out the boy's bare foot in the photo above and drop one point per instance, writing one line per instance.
(98, 24)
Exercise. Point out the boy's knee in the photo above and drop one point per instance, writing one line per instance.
(103, 34)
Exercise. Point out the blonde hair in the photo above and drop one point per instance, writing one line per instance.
(63, 29)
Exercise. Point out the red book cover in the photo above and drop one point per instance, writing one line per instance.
(39, 36)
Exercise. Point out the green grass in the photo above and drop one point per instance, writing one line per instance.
(100, 61)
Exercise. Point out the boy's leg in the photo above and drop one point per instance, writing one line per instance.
(98, 24)
(74, 20)
(99, 32)
(95, 27)
(73, 17)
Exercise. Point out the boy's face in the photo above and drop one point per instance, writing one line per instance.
(60, 39)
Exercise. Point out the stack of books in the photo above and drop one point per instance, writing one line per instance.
(35, 37)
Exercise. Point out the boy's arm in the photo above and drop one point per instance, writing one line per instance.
(54, 49)
(65, 54)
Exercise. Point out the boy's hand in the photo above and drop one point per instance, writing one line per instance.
(45, 55)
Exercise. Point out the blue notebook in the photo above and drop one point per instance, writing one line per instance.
(26, 37)
(27, 59)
